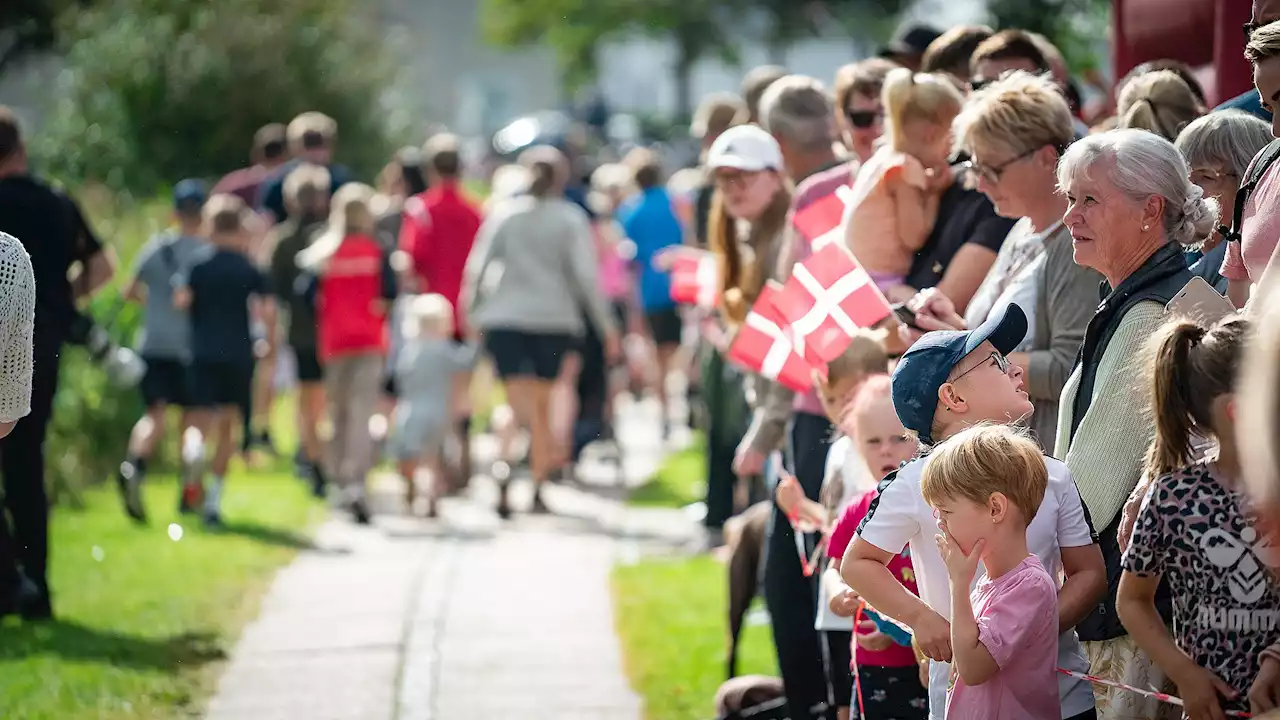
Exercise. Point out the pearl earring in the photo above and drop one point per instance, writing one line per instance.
(1146, 227)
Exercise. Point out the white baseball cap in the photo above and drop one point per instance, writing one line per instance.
(745, 147)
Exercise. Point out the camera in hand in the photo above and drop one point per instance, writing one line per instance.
(122, 365)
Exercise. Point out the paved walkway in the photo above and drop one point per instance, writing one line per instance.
(459, 618)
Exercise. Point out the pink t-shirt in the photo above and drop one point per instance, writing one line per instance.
(615, 278)
(900, 567)
(1018, 623)
(1260, 231)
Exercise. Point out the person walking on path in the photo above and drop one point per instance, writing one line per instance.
(222, 293)
(352, 286)
(529, 281)
(166, 343)
(306, 194)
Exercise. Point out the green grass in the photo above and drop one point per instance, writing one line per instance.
(145, 620)
(682, 479)
(671, 620)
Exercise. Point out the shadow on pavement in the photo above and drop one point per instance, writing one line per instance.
(268, 535)
(73, 641)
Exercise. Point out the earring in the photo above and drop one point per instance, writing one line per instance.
(1146, 227)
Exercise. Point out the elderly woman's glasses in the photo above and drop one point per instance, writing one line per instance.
(995, 173)
(1002, 363)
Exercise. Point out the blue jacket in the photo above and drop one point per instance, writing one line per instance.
(650, 222)
(1249, 102)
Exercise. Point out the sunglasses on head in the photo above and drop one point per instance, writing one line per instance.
(862, 119)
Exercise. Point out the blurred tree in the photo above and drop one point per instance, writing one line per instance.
(158, 90)
(28, 26)
(1073, 25)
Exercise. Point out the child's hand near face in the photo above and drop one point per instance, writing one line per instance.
(960, 567)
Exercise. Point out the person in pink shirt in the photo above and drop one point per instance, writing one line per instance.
(986, 484)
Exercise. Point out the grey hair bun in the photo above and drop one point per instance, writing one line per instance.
(1197, 218)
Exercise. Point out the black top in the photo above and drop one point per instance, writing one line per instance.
(964, 216)
(285, 274)
(221, 285)
(55, 233)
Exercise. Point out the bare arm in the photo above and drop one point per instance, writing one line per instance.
(1136, 604)
(965, 273)
(95, 273)
(865, 569)
(917, 210)
(1085, 584)
(972, 660)
(1238, 290)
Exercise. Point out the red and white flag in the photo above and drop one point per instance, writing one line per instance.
(821, 223)
(827, 298)
(695, 279)
(764, 346)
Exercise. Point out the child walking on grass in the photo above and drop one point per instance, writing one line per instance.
(424, 373)
(986, 484)
(896, 192)
(1197, 530)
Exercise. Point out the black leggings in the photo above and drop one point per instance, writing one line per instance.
(788, 594)
(25, 498)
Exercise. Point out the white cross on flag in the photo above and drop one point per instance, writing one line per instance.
(827, 298)
(821, 223)
(695, 279)
(763, 345)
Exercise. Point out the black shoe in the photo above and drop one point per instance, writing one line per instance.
(262, 441)
(360, 511)
(319, 484)
(129, 482)
(504, 510)
(30, 601)
(539, 506)
(212, 519)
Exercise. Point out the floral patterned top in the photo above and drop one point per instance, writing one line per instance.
(1199, 534)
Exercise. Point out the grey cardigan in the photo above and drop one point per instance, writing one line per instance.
(1066, 301)
(534, 269)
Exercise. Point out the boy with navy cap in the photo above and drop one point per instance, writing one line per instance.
(166, 337)
(946, 382)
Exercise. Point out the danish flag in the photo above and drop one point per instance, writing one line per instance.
(764, 346)
(695, 279)
(827, 298)
(821, 223)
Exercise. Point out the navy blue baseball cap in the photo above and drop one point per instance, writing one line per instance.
(925, 367)
(190, 195)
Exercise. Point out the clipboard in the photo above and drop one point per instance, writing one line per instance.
(1198, 301)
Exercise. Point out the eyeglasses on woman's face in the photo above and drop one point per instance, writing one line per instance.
(1212, 180)
(993, 174)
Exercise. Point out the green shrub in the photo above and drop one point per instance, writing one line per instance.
(158, 90)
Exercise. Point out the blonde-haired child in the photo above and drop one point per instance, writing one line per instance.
(424, 376)
(986, 484)
(896, 192)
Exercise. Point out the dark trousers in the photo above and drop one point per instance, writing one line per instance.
(788, 594)
(720, 479)
(25, 497)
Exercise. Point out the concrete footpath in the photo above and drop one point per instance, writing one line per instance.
(459, 618)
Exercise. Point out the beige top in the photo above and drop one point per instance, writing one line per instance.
(1106, 456)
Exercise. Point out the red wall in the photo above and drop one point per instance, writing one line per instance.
(1205, 34)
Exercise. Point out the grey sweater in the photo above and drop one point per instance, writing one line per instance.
(533, 269)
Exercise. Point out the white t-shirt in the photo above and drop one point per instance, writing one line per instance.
(843, 458)
(899, 516)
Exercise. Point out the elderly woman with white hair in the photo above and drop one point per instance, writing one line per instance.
(1218, 148)
(1131, 208)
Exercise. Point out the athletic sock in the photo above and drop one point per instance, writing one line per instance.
(213, 496)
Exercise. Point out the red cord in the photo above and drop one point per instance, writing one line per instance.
(857, 680)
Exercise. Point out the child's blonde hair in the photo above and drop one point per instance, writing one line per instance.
(428, 314)
(983, 460)
(225, 214)
(910, 97)
(349, 214)
(865, 356)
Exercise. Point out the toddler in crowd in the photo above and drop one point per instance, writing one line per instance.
(886, 672)
(223, 292)
(894, 200)
(424, 374)
(986, 484)
(1197, 530)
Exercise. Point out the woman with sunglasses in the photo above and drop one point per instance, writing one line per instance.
(1014, 130)
(859, 112)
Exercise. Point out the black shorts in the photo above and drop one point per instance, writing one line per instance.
(665, 326)
(166, 381)
(519, 354)
(309, 368)
(222, 383)
(890, 693)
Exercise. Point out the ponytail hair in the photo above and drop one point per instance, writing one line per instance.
(349, 214)
(910, 97)
(1190, 366)
(548, 170)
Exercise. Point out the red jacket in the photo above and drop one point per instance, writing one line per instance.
(438, 230)
(348, 321)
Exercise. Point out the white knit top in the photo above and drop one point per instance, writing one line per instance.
(17, 328)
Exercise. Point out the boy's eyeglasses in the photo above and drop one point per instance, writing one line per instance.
(863, 119)
(1002, 363)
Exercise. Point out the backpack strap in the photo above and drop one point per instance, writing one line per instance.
(1248, 183)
